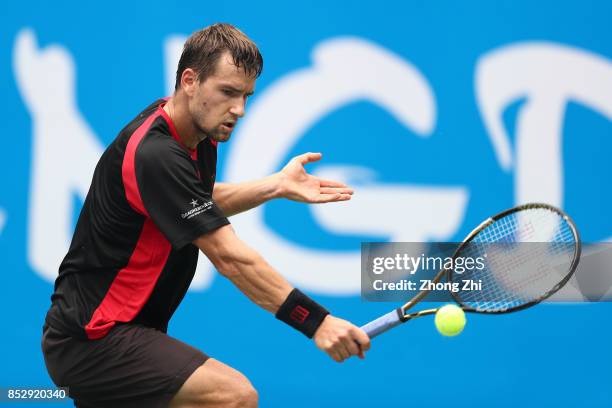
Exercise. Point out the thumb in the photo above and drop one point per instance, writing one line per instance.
(309, 157)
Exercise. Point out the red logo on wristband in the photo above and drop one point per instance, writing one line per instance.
(299, 314)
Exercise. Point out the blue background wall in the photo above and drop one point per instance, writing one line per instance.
(552, 355)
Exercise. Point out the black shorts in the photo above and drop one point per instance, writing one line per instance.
(132, 366)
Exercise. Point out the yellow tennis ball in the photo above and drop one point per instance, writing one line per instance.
(450, 320)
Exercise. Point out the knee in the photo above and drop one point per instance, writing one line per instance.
(216, 385)
(236, 393)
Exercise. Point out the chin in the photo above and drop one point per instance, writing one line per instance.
(221, 137)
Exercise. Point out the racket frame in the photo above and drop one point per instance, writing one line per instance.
(401, 315)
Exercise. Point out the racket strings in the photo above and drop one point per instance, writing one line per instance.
(526, 255)
(518, 281)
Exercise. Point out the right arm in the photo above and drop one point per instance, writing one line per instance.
(245, 268)
(268, 289)
(165, 187)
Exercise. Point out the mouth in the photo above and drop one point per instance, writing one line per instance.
(229, 125)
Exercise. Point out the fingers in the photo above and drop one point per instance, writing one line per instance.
(331, 183)
(354, 342)
(359, 342)
(343, 351)
(330, 198)
(336, 190)
(362, 339)
(352, 347)
(336, 356)
(340, 351)
(308, 157)
(331, 194)
(337, 351)
(341, 339)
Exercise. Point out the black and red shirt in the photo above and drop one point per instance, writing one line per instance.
(131, 258)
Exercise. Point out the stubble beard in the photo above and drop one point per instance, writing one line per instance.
(218, 135)
(215, 133)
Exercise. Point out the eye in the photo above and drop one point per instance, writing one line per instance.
(228, 92)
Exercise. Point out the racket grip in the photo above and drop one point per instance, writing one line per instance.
(383, 323)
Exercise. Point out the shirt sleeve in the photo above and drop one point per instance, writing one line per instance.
(172, 192)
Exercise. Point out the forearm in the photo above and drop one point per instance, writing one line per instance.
(268, 289)
(245, 268)
(258, 281)
(234, 198)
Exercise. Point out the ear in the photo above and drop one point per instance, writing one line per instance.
(189, 81)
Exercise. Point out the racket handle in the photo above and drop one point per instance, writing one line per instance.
(383, 323)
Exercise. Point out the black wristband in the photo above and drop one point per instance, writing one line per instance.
(302, 313)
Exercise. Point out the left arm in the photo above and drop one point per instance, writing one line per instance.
(292, 182)
(234, 198)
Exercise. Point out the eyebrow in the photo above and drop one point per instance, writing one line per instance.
(234, 89)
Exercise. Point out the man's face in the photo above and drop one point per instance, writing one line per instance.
(218, 101)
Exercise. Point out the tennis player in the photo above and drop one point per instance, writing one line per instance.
(152, 206)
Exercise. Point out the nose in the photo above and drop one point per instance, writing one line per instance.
(237, 108)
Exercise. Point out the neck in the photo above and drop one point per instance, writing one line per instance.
(178, 112)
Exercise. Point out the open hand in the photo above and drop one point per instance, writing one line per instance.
(297, 185)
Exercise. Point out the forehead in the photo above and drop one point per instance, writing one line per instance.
(227, 71)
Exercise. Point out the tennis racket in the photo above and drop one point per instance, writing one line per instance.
(532, 251)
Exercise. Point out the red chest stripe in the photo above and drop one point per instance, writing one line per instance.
(133, 284)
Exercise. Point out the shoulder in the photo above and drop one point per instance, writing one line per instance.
(138, 121)
(157, 147)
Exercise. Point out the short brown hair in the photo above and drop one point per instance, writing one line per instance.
(203, 49)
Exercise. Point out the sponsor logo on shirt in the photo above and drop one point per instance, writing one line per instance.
(197, 209)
